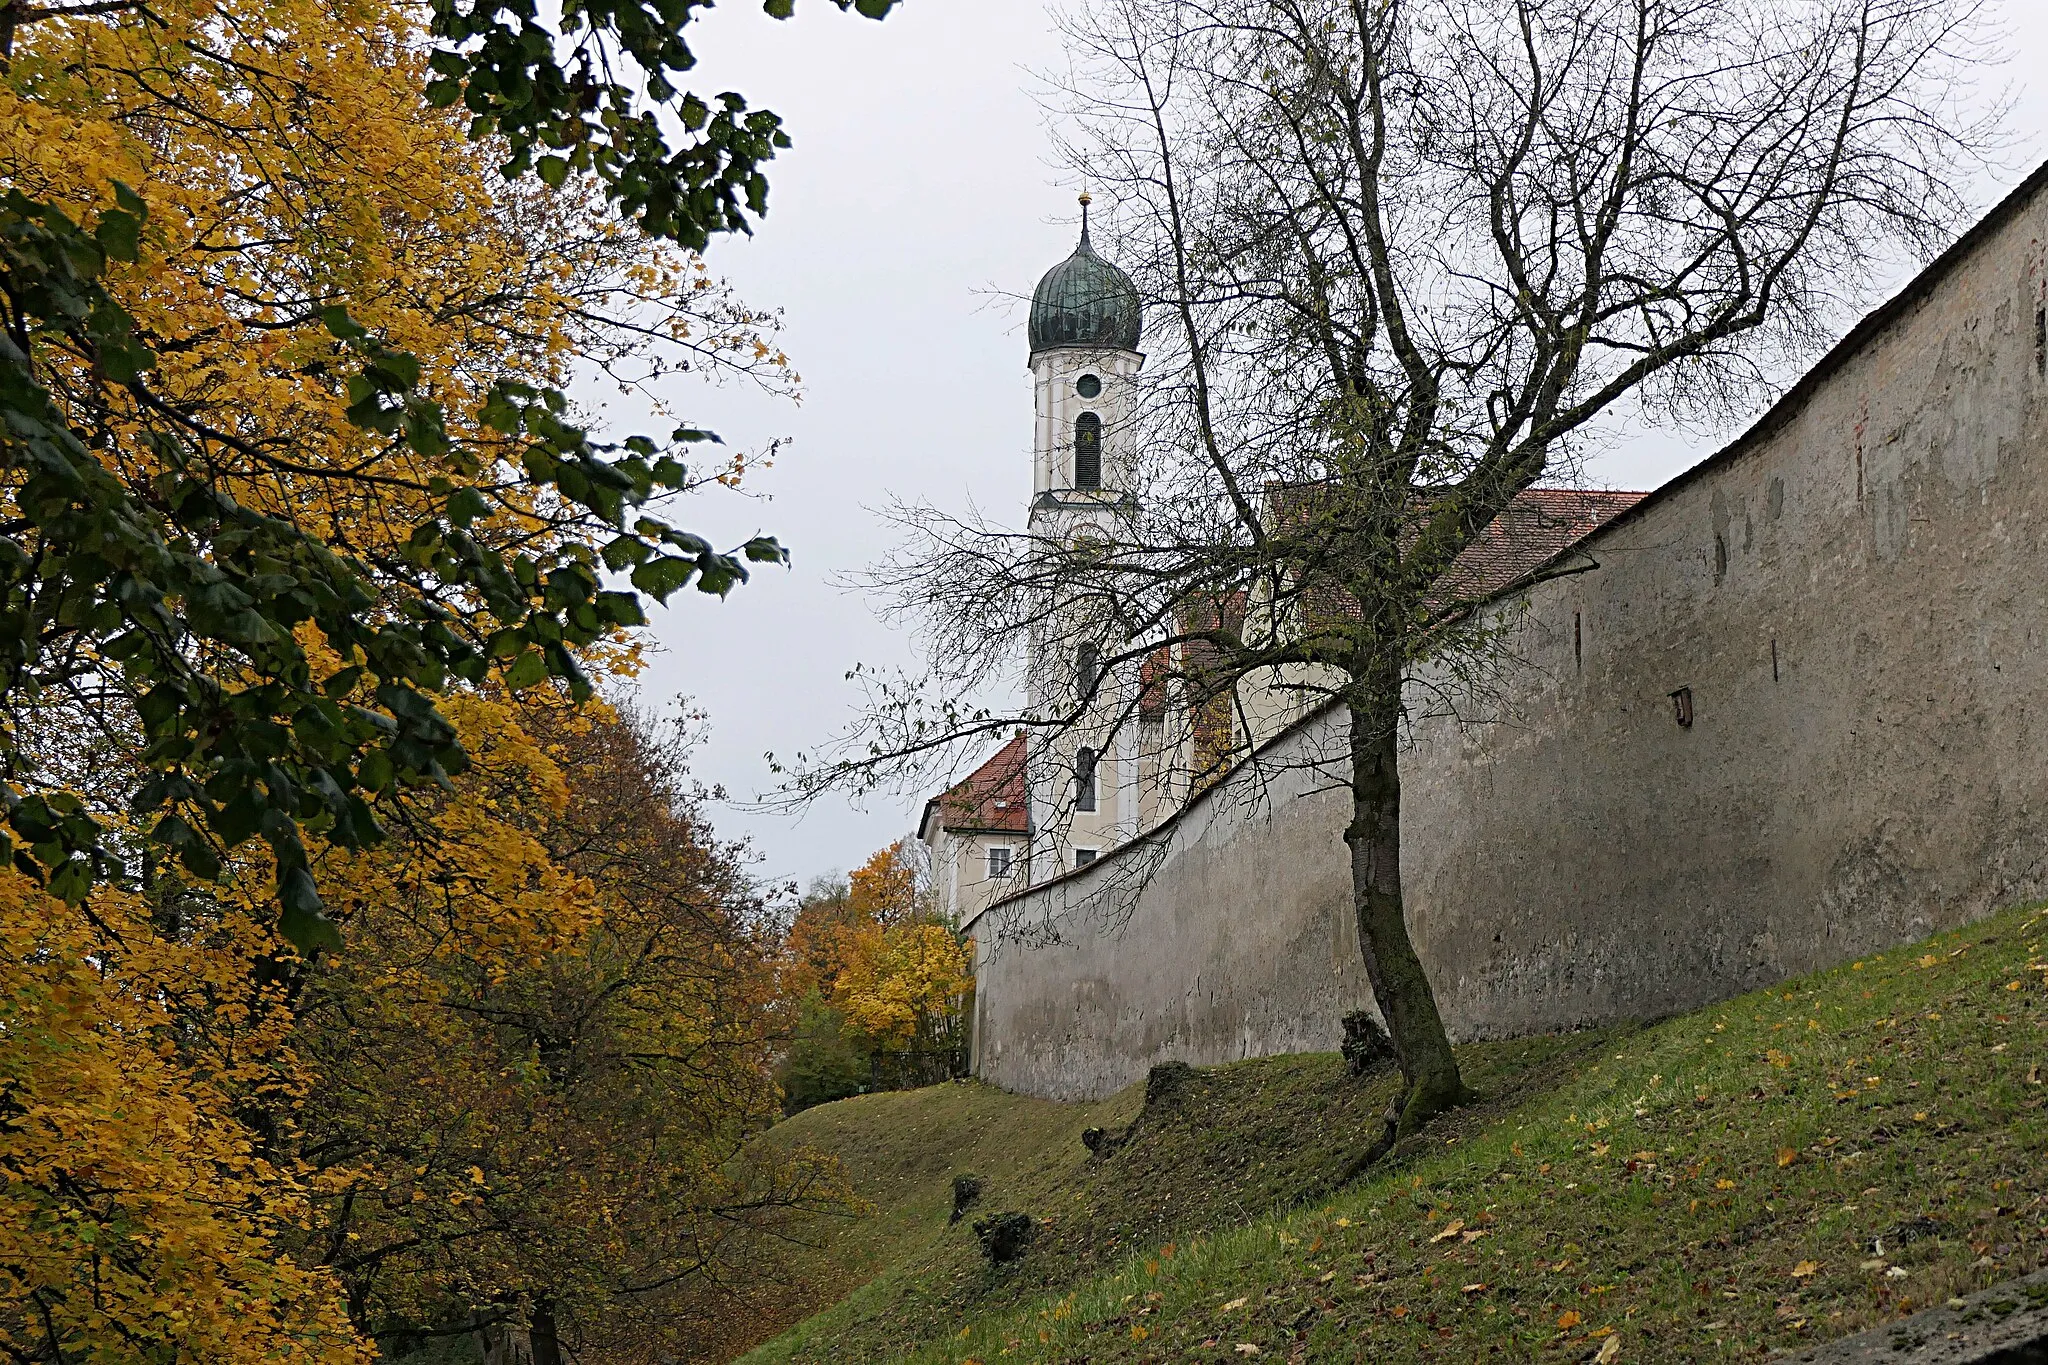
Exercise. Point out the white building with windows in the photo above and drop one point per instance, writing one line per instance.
(1041, 807)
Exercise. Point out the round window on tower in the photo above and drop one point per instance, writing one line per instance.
(1088, 386)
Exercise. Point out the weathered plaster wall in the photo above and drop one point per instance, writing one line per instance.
(1219, 944)
(1859, 605)
(1856, 596)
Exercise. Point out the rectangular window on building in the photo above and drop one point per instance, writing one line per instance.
(1083, 857)
(1084, 780)
(998, 863)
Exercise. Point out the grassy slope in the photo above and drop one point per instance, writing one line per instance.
(1706, 1188)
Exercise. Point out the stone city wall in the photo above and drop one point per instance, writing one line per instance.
(1855, 598)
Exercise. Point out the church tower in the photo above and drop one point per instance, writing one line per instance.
(1084, 333)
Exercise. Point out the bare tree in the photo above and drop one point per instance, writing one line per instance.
(1401, 258)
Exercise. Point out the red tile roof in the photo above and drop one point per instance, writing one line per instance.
(990, 799)
(1536, 527)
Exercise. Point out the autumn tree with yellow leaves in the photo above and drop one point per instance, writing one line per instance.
(291, 510)
(540, 1074)
(879, 987)
(519, 1108)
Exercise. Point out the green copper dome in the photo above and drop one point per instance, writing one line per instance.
(1084, 301)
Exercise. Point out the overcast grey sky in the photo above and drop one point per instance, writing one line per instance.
(918, 185)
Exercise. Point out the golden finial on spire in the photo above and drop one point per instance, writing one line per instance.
(1086, 200)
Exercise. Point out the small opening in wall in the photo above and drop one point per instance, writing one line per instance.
(2041, 341)
(1578, 642)
(1087, 670)
(1084, 780)
(1681, 705)
(1088, 451)
(1720, 557)
(998, 863)
(1774, 658)
(1083, 857)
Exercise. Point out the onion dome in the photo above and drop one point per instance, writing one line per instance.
(1084, 301)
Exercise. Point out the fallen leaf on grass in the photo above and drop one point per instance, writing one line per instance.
(1233, 1305)
(1608, 1352)
(1473, 1235)
(1569, 1321)
(1787, 1155)
(1805, 1269)
(1245, 1348)
(1724, 1184)
(1451, 1229)
(1473, 1288)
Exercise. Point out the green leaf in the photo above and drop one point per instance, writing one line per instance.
(528, 669)
(119, 234)
(467, 506)
(71, 881)
(552, 169)
(336, 320)
(659, 578)
(303, 919)
(373, 771)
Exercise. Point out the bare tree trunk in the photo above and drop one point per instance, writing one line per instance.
(1399, 983)
(507, 1343)
(547, 1345)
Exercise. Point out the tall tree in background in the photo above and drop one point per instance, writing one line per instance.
(1401, 258)
(537, 1079)
(876, 983)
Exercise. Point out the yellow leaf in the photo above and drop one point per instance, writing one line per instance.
(1787, 1155)
(1233, 1305)
(1724, 1184)
(1451, 1229)
(1805, 1269)
(1609, 1352)
(1569, 1321)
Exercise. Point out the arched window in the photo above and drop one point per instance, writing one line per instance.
(1084, 780)
(1087, 451)
(1087, 670)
